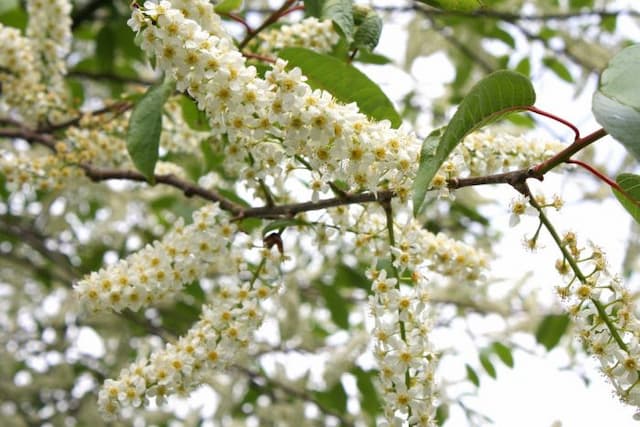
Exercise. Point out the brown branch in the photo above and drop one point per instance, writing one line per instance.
(117, 108)
(29, 235)
(466, 51)
(566, 154)
(29, 135)
(489, 13)
(290, 210)
(267, 22)
(516, 179)
(188, 188)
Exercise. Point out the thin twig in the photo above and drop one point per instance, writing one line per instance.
(283, 10)
(188, 188)
(566, 154)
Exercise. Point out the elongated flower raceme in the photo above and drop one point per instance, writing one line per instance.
(19, 74)
(32, 68)
(403, 351)
(159, 271)
(50, 31)
(334, 139)
(218, 340)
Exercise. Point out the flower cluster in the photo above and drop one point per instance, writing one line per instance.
(49, 30)
(418, 248)
(42, 172)
(336, 140)
(218, 340)
(32, 67)
(605, 317)
(98, 140)
(309, 33)
(487, 152)
(405, 356)
(160, 270)
(19, 76)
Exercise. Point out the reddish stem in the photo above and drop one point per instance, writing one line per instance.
(283, 10)
(557, 119)
(596, 173)
(238, 19)
(293, 9)
(566, 154)
(606, 179)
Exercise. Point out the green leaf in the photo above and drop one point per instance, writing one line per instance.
(336, 305)
(347, 277)
(503, 352)
(179, 318)
(487, 365)
(551, 329)
(631, 200)
(619, 120)
(14, 17)
(577, 4)
(472, 376)
(367, 57)
(442, 413)
(7, 5)
(313, 8)
(455, 5)
(469, 212)
(616, 103)
(499, 93)
(524, 66)
(145, 127)
(341, 13)
(502, 35)
(195, 290)
(335, 398)
(558, 68)
(344, 81)
(196, 119)
(76, 90)
(370, 401)
(368, 33)
(609, 23)
(284, 223)
(424, 176)
(227, 6)
(105, 48)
